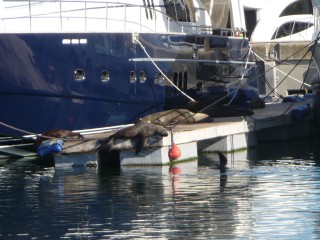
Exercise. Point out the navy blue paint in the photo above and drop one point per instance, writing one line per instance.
(38, 91)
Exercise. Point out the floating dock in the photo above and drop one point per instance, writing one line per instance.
(275, 122)
(11, 147)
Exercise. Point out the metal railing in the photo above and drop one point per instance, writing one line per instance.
(316, 14)
(59, 15)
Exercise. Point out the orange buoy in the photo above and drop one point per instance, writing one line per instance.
(174, 152)
(175, 170)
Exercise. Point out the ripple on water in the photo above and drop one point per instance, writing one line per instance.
(273, 199)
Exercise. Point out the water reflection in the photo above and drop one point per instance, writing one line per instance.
(263, 194)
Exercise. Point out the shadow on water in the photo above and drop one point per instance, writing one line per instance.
(303, 149)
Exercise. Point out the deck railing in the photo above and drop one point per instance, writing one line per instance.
(89, 16)
(316, 14)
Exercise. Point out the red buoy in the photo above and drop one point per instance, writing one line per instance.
(174, 152)
(175, 170)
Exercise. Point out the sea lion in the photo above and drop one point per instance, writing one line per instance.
(257, 103)
(228, 111)
(138, 132)
(223, 162)
(175, 116)
(57, 133)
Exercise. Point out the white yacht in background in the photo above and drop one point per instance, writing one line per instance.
(280, 39)
(281, 21)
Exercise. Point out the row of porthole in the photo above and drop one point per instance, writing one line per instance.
(142, 76)
(80, 75)
(180, 80)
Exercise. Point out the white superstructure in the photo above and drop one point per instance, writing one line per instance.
(99, 16)
(282, 21)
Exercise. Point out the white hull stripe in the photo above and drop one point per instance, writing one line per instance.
(189, 60)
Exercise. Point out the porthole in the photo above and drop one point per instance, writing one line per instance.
(79, 74)
(105, 76)
(133, 77)
(143, 76)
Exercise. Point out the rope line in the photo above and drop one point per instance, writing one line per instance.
(241, 80)
(305, 77)
(145, 51)
(16, 129)
(297, 80)
(272, 89)
(291, 72)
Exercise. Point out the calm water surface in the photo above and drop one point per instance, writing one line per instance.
(271, 192)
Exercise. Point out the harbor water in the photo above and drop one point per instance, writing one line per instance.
(269, 192)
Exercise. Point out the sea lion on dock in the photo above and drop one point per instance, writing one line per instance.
(57, 133)
(228, 111)
(219, 110)
(175, 116)
(138, 132)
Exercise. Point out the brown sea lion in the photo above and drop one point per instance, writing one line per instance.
(175, 116)
(57, 133)
(257, 103)
(138, 132)
(228, 111)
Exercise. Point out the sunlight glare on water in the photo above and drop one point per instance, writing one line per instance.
(263, 195)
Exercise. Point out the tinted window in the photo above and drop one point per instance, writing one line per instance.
(177, 10)
(283, 31)
(290, 28)
(300, 26)
(298, 7)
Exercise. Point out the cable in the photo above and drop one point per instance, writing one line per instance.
(305, 77)
(262, 74)
(14, 128)
(280, 70)
(245, 67)
(291, 72)
(162, 71)
(265, 80)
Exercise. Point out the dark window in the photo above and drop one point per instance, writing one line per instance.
(285, 30)
(177, 10)
(251, 21)
(290, 28)
(301, 26)
(298, 7)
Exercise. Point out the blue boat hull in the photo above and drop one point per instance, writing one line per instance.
(39, 89)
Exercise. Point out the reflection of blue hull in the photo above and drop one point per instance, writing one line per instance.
(38, 90)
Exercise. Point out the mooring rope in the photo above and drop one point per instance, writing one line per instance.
(297, 80)
(151, 60)
(313, 43)
(16, 129)
(233, 91)
(241, 80)
(272, 89)
(288, 74)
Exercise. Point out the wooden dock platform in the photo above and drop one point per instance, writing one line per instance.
(273, 123)
(11, 147)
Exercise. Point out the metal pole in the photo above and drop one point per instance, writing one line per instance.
(30, 25)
